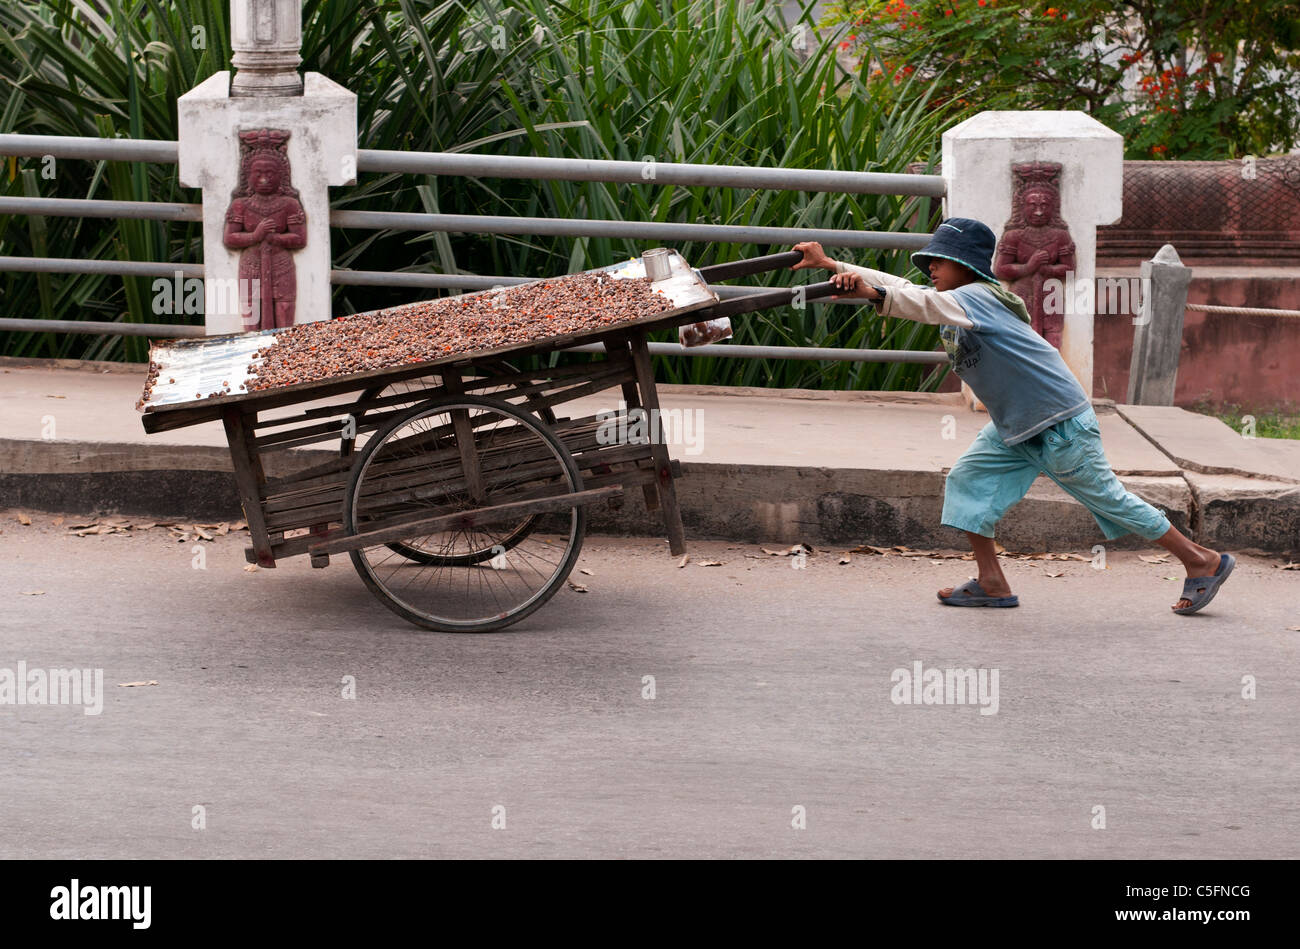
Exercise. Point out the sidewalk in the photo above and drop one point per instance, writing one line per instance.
(818, 467)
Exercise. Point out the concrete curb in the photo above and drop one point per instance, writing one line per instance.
(778, 504)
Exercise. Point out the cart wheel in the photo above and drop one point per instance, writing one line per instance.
(433, 556)
(412, 468)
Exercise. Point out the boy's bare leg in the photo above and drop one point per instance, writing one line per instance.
(1197, 560)
(991, 579)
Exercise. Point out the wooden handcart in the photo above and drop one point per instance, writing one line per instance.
(456, 490)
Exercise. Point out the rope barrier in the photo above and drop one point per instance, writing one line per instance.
(1240, 310)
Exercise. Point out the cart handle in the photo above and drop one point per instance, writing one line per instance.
(753, 265)
(780, 296)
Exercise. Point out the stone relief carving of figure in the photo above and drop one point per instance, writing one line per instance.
(1036, 246)
(265, 223)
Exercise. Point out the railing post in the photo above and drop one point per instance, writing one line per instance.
(1158, 329)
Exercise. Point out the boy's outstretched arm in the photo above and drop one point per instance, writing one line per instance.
(903, 299)
(815, 256)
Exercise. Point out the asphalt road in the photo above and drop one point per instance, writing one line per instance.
(772, 701)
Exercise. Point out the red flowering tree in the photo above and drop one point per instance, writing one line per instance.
(1210, 79)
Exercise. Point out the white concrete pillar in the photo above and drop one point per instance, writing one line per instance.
(266, 37)
(977, 159)
(322, 151)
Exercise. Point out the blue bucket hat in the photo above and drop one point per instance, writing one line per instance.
(965, 240)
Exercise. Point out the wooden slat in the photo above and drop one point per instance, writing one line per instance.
(303, 495)
(354, 406)
(495, 514)
(302, 510)
(315, 473)
(576, 434)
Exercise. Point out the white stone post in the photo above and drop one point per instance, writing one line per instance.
(266, 36)
(322, 151)
(977, 159)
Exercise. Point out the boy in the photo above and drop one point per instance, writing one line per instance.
(1042, 420)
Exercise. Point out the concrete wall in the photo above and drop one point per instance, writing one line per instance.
(1250, 361)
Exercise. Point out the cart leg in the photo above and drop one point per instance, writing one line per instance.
(658, 450)
(633, 400)
(249, 478)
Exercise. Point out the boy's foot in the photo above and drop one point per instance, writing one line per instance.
(1200, 587)
(971, 593)
(1204, 566)
(990, 587)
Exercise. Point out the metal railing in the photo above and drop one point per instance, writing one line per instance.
(495, 166)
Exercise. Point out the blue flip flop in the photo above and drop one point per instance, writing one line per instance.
(1201, 590)
(971, 593)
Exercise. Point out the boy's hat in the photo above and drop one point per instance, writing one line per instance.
(963, 239)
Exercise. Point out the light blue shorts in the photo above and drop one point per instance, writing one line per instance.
(992, 476)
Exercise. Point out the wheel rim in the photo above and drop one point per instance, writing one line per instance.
(412, 469)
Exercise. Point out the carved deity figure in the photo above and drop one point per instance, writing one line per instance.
(1036, 247)
(265, 223)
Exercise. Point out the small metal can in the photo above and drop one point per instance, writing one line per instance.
(657, 266)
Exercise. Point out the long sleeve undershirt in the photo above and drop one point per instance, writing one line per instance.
(910, 302)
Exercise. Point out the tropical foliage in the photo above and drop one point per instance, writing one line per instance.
(1190, 80)
(715, 81)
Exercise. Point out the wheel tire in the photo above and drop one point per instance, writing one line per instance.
(380, 579)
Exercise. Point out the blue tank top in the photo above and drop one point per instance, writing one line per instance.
(1019, 376)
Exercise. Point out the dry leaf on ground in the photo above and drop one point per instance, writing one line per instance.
(684, 561)
(58, 521)
(24, 520)
(846, 558)
(31, 592)
(1161, 558)
(586, 571)
(577, 587)
(1055, 573)
(132, 685)
(710, 563)
(250, 568)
